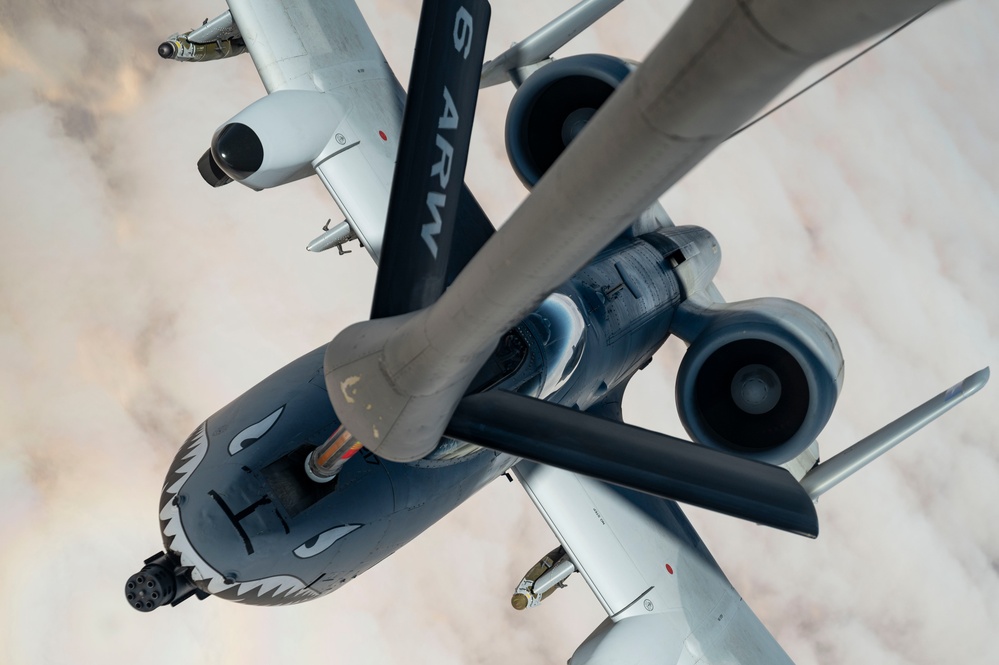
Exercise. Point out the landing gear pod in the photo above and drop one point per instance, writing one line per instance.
(275, 140)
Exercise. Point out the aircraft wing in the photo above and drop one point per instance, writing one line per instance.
(326, 46)
(666, 599)
(314, 45)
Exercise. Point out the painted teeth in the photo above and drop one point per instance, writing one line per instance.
(283, 588)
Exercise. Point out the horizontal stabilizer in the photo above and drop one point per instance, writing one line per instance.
(635, 458)
(545, 41)
(833, 471)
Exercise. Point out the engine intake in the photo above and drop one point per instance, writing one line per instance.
(552, 107)
(760, 379)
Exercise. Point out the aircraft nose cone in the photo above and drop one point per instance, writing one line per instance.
(237, 149)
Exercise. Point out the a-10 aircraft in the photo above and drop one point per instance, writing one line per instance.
(495, 351)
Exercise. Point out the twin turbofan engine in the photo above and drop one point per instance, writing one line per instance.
(273, 141)
(760, 378)
(552, 107)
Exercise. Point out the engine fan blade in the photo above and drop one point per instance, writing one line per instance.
(433, 151)
(635, 458)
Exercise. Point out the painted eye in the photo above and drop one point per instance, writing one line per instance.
(249, 436)
(323, 541)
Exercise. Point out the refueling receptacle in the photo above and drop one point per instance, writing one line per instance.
(324, 463)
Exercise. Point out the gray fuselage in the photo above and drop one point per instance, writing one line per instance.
(239, 511)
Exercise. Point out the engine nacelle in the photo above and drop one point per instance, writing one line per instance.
(276, 139)
(760, 379)
(553, 105)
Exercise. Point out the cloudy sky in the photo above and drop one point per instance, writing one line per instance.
(135, 301)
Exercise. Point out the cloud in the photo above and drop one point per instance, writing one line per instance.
(135, 301)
